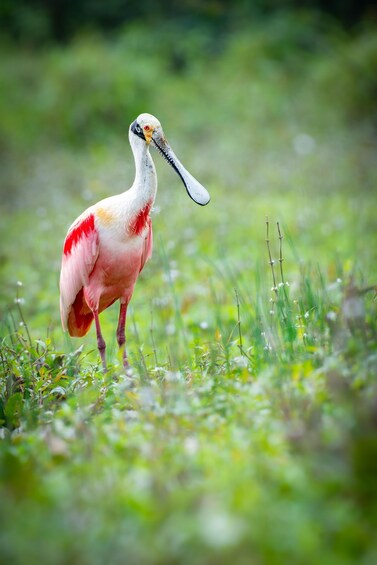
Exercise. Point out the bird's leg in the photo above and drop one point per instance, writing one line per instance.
(121, 332)
(100, 341)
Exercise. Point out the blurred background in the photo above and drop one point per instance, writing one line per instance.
(218, 449)
(272, 105)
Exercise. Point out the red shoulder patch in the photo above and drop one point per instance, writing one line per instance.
(138, 223)
(84, 228)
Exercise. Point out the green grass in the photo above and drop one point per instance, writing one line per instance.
(246, 431)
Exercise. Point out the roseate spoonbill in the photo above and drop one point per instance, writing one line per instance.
(107, 246)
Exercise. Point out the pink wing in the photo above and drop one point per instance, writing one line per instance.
(148, 245)
(80, 253)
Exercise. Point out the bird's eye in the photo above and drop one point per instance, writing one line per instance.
(147, 128)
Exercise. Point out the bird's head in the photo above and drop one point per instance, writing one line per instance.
(145, 126)
(148, 128)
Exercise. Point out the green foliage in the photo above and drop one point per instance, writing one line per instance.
(85, 93)
(39, 21)
(197, 464)
(246, 430)
(34, 376)
(352, 80)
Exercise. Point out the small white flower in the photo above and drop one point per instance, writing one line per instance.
(240, 361)
(218, 528)
(19, 283)
(204, 325)
(170, 329)
(274, 288)
(172, 377)
(158, 369)
(191, 445)
(161, 302)
(171, 275)
(129, 372)
(332, 316)
(306, 315)
(338, 280)
(272, 312)
(287, 283)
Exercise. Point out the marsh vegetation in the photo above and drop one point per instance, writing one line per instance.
(247, 430)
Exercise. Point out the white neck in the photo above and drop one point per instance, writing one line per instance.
(145, 184)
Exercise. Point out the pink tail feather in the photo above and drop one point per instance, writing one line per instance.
(80, 317)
